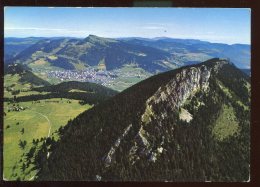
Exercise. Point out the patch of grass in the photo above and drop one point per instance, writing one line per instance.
(77, 90)
(52, 57)
(37, 53)
(35, 126)
(226, 124)
(128, 75)
(44, 76)
(12, 81)
(196, 56)
(42, 65)
(39, 62)
(79, 66)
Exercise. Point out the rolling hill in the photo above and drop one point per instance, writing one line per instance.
(188, 124)
(24, 75)
(68, 53)
(188, 51)
(13, 46)
(157, 54)
(74, 85)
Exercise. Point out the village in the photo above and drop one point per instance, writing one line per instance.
(88, 75)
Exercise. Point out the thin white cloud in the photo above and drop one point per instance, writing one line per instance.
(58, 30)
(33, 28)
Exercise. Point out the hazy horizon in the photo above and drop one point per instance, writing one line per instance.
(216, 25)
(152, 38)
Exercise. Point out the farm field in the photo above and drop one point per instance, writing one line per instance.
(128, 75)
(40, 119)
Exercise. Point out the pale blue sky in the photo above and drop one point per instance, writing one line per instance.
(210, 24)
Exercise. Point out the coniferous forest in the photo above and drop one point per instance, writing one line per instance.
(199, 150)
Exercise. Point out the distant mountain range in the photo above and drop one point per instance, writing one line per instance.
(194, 51)
(188, 124)
(152, 55)
(13, 46)
(93, 51)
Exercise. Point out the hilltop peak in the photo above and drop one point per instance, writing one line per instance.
(217, 62)
(93, 36)
(93, 39)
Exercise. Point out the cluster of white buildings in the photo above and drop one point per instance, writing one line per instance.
(103, 77)
(88, 75)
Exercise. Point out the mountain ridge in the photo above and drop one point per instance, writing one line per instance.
(147, 138)
(159, 54)
(92, 50)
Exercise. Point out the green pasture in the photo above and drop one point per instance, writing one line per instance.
(36, 120)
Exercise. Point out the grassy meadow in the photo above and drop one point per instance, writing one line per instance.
(39, 119)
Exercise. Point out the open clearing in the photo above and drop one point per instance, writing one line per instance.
(36, 120)
(226, 124)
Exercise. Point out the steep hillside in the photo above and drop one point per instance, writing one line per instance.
(189, 124)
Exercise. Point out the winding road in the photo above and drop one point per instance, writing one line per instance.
(48, 154)
(47, 120)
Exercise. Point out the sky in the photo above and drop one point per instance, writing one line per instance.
(221, 25)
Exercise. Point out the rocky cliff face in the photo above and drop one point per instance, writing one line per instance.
(175, 93)
(172, 95)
